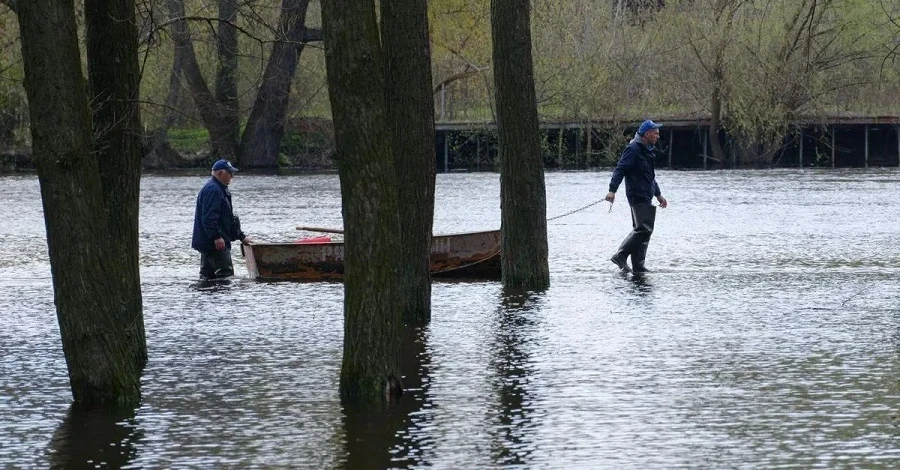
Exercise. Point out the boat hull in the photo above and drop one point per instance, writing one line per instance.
(473, 255)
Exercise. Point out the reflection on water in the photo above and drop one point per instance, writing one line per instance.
(641, 283)
(511, 420)
(767, 335)
(382, 438)
(96, 438)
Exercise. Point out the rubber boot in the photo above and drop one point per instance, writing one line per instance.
(644, 217)
(638, 256)
(619, 260)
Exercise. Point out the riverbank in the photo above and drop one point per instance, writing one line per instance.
(841, 141)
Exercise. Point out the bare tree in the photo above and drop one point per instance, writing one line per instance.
(710, 42)
(893, 49)
(218, 118)
(226, 75)
(265, 126)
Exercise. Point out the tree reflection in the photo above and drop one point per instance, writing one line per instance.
(511, 423)
(94, 438)
(392, 436)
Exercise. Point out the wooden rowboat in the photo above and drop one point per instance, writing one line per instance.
(473, 255)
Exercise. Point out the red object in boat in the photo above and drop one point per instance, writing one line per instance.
(320, 239)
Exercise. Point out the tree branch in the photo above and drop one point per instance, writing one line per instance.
(895, 21)
(699, 56)
(468, 72)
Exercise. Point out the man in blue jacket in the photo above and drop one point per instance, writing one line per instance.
(215, 225)
(636, 167)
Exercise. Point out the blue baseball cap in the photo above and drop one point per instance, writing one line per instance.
(223, 165)
(648, 125)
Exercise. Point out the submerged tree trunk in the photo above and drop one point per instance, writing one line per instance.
(113, 83)
(410, 111)
(98, 351)
(265, 126)
(372, 308)
(522, 192)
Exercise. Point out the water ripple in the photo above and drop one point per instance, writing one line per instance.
(768, 335)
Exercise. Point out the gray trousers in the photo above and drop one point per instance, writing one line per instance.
(216, 264)
(643, 215)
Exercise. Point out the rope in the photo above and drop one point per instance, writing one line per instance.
(580, 209)
(467, 265)
(855, 295)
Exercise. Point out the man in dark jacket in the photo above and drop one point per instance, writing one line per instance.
(636, 166)
(215, 225)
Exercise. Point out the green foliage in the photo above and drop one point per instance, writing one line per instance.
(13, 102)
(591, 62)
(189, 140)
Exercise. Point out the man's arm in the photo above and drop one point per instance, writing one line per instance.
(209, 214)
(659, 197)
(626, 163)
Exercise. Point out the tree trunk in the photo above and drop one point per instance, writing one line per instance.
(265, 127)
(215, 119)
(410, 111)
(372, 309)
(159, 138)
(522, 193)
(226, 76)
(718, 77)
(716, 121)
(113, 83)
(374, 437)
(98, 350)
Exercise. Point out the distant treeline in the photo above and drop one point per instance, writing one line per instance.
(233, 72)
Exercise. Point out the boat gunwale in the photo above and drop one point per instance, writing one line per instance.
(341, 242)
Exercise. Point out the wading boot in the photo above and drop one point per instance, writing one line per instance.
(643, 217)
(620, 262)
(638, 257)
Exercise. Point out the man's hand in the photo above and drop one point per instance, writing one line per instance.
(662, 201)
(611, 197)
(246, 241)
(220, 244)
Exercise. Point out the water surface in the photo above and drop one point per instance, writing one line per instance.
(768, 335)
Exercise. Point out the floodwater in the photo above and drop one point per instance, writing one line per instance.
(767, 336)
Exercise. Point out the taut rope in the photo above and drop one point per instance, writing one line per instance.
(580, 209)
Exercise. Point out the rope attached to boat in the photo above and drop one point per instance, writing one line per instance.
(581, 209)
(456, 268)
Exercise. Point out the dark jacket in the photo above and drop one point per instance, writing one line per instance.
(637, 167)
(214, 217)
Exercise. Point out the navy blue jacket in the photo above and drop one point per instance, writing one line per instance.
(636, 166)
(214, 217)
